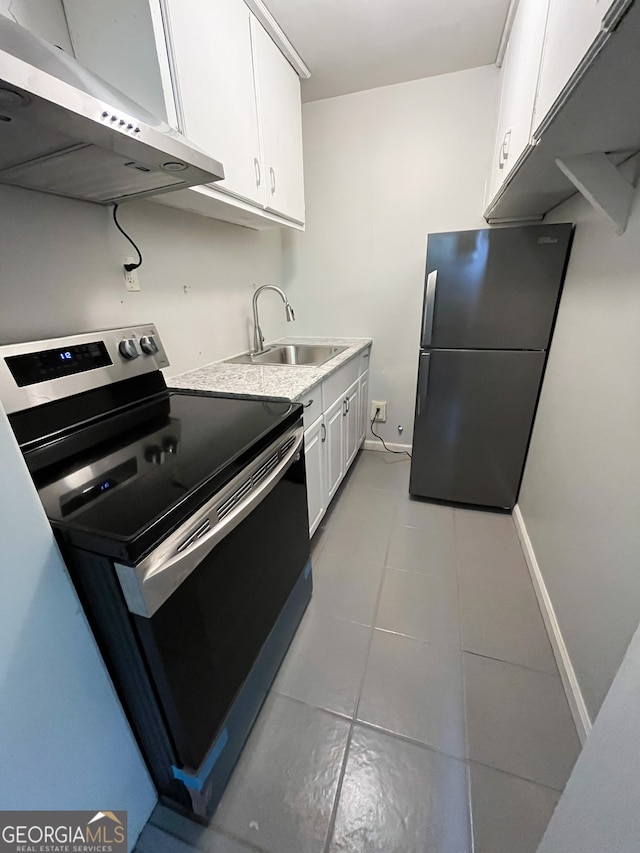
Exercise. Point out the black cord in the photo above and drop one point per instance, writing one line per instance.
(128, 267)
(380, 438)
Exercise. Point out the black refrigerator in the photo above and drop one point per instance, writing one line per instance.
(490, 303)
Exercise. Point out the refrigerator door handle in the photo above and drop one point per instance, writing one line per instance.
(423, 379)
(429, 304)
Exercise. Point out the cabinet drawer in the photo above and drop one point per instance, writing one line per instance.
(312, 402)
(335, 385)
(363, 361)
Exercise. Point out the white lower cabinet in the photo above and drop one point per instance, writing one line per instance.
(332, 439)
(335, 442)
(351, 426)
(314, 454)
(363, 406)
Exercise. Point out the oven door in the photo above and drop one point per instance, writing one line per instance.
(224, 578)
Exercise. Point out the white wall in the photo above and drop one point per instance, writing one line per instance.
(382, 169)
(598, 810)
(44, 19)
(64, 740)
(60, 266)
(580, 496)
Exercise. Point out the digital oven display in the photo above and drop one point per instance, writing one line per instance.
(34, 367)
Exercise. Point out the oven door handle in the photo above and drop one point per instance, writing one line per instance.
(149, 584)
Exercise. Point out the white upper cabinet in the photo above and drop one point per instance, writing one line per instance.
(213, 71)
(280, 110)
(211, 46)
(569, 90)
(572, 27)
(519, 82)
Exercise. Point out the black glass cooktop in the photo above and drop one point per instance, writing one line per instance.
(121, 496)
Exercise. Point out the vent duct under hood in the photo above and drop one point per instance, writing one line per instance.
(65, 131)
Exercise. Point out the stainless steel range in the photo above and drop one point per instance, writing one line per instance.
(182, 518)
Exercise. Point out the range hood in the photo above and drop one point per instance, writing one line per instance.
(65, 131)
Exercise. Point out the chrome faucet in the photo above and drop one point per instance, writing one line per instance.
(258, 339)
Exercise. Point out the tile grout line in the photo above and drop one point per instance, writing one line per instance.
(343, 769)
(336, 802)
(373, 727)
(464, 684)
(345, 718)
(511, 663)
(471, 761)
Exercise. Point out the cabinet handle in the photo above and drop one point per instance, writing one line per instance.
(256, 165)
(323, 429)
(273, 180)
(348, 404)
(344, 408)
(504, 149)
(306, 405)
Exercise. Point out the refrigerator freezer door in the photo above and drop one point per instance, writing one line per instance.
(494, 288)
(474, 413)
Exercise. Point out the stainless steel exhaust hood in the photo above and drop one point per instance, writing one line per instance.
(67, 132)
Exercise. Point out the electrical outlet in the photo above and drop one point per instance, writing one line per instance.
(130, 276)
(382, 414)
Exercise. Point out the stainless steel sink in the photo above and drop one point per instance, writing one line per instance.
(301, 355)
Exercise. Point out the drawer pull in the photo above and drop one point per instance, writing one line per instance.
(306, 405)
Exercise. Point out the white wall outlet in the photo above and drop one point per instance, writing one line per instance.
(130, 276)
(382, 414)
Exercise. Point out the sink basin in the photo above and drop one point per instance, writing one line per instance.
(301, 355)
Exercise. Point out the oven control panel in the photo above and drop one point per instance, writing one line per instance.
(42, 371)
(32, 367)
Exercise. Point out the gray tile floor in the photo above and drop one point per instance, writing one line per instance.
(419, 709)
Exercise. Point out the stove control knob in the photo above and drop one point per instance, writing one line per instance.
(128, 349)
(148, 344)
(154, 454)
(170, 446)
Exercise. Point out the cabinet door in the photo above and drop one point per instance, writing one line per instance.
(315, 460)
(363, 406)
(280, 110)
(351, 424)
(571, 30)
(213, 65)
(519, 81)
(335, 469)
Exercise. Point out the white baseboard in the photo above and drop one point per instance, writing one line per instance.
(374, 444)
(565, 667)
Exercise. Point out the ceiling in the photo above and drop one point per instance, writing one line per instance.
(351, 45)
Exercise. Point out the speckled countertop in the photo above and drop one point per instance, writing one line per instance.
(256, 381)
